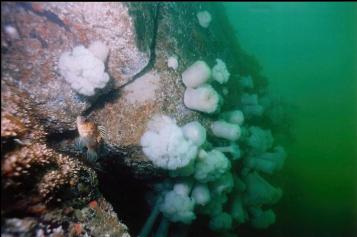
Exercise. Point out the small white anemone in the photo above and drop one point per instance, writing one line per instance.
(260, 140)
(235, 116)
(195, 132)
(196, 74)
(232, 149)
(11, 32)
(172, 62)
(178, 207)
(261, 219)
(204, 18)
(220, 72)
(220, 222)
(249, 99)
(201, 194)
(215, 205)
(259, 191)
(183, 188)
(268, 162)
(250, 105)
(226, 130)
(211, 166)
(238, 212)
(224, 184)
(204, 99)
(246, 82)
(253, 110)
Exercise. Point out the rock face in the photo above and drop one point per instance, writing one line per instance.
(141, 37)
(40, 109)
(47, 30)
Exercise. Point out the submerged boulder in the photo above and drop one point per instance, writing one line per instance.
(44, 175)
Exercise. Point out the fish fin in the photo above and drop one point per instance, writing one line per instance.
(92, 155)
(79, 143)
(22, 142)
(102, 131)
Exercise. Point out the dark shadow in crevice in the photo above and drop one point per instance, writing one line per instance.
(127, 196)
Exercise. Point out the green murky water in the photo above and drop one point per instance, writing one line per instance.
(309, 53)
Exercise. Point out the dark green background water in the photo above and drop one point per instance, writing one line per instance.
(309, 53)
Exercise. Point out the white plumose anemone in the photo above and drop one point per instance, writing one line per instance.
(220, 72)
(259, 191)
(204, 99)
(235, 116)
(204, 18)
(201, 194)
(165, 145)
(261, 219)
(196, 74)
(178, 207)
(268, 162)
(83, 70)
(211, 166)
(195, 132)
(226, 130)
(260, 140)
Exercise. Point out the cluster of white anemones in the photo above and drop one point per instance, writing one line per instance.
(205, 179)
(215, 173)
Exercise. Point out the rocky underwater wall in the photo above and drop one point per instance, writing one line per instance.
(49, 188)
